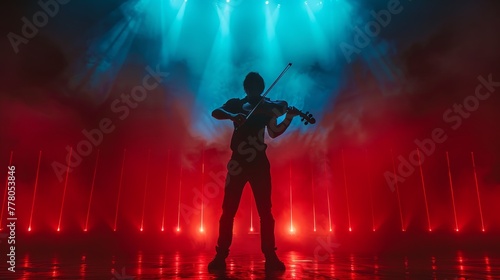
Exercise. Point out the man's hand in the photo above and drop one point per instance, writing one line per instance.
(292, 111)
(239, 118)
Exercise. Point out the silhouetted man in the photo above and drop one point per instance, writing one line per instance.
(249, 163)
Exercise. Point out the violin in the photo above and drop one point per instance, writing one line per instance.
(306, 118)
(277, 108)
(265, 105)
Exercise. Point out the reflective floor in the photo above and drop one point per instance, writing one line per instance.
(176, 265)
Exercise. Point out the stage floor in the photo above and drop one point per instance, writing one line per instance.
(178, 265)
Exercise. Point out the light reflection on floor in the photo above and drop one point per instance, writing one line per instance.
(299, 266)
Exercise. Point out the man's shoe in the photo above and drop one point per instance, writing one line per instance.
(273, 263)
(219, 262)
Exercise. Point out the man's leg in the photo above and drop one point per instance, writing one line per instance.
(261, 188)
(260, 180)
(232, 196)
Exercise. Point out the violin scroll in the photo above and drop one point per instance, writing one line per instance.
(306, 117)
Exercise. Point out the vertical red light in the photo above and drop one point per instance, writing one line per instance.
(451, 189)
(313, 202)
(165, 195)
(64, 191)
(346, 192)
(119, 190)
(370, 191)
(397, 193)
(251, 213)
(423, 188)
(477, 192)
(292, 229)
(328, 198)
(179, 202)
(145, 190)
(202, 187)
(91, 191)
(34, 191)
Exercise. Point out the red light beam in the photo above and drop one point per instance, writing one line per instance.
(328, 198)
(165, 195)
(370, 188)
(423, 188)
(119, 190)
(313, 202)
(291, 204)
(64, 191)
(346, 192)
(477, 191)
(397, 193)
(202, 187)
(251, 213)
(145, 190)
(91, 192)
(451, 189)
(179, 207)
(34, 191)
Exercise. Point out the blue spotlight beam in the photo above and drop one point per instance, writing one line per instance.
(94, 67)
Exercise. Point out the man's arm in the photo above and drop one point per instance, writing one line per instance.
(222, 114)
(274, 129)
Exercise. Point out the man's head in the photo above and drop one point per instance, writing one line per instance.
(253, 84)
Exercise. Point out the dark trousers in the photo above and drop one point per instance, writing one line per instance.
(257, 172)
